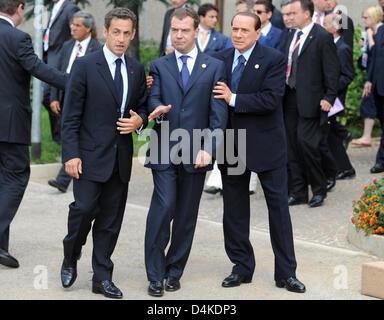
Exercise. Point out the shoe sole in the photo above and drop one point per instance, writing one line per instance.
(157, 295)
(282, 285)
(237, 285)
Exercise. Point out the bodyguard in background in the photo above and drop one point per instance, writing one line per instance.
(83, 31)
(17, 62)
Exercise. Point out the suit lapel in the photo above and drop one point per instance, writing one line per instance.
(171, 64)
(103, 69)
(91, 47)
(68, 53)
(309, 39)
(254, 62)
(59, 12)
(228, 66)
(198, 68)
(131, 75)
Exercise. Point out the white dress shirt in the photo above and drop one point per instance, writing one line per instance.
(8, 20)
(266, 29)
(200, 36)
(55, 9)
(77, 52)
(322, 16)
(190, 61)
(303, 38)
(111, 58)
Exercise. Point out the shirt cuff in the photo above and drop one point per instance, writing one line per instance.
(232, 102)
(140, 130)
(160, 118)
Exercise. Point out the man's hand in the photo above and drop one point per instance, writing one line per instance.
(367, 89)
(203, 159)
(149, 81)
(223, 91)
(128, 125)
(325, 105)
(73, 167)
(55, 107)
(159, 111)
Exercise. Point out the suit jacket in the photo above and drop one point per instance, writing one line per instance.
(63, 62)
(347, 69)
(376, 67)
(217, 42)
(318, 71)
(91, 110)
(277, 19)
(17, 62)
(272, 39)
(258, 107)
(195, 109)
(60, 31)
(348, 29)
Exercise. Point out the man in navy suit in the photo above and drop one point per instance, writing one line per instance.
(209, 40)
(182, 89)
(270, 35)
(105, 101)
(375, 84)
(256, 78)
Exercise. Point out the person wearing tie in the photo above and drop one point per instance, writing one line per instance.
(105, 101)
(308, 98)
(82, 43)
(319, 13)
(182, 94)
(57, 32)
(254, 95)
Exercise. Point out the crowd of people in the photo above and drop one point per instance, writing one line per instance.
(282, 78)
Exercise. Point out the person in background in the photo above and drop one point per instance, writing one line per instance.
(372, 20)
(244, 5)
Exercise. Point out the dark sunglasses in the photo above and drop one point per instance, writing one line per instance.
(260, 11)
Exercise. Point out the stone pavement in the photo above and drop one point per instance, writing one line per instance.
(329, 266)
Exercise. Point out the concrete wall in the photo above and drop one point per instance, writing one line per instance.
(151, 18)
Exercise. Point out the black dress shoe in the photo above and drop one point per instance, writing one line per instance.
(331, 183)
(377, 168)
(292, 201)
(347, 140)
(212, 190)
(316, 201)
(350, 173)
(7, 260)
(107, 288)
(234, 280)
(172, 284)
(156, 288)
(68, 273)
(291, 284)
(54, 183)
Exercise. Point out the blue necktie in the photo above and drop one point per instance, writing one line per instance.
(236, 74)
(184, 72)
(119, 81)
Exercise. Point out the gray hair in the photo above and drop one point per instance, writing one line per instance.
(88, 19)
(285, 3)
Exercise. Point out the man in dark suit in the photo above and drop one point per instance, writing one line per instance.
(18, 62)
(165, 43)
(209, 40)
(105, 101)
(375, 84)
(308, 98)
(82, 43)
(337, 132)
(270, 35)
(183, 84)
(57, 32)
(255, 76)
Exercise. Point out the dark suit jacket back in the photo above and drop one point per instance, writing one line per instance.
(376, 67)
(91, 110)
(273, 38)
(17, 62)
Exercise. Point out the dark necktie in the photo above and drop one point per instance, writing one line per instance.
(119, 81)
(236, 74)
(184, 73)
(295, 58)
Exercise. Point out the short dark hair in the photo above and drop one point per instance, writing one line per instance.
(249, 3)
(249, 14)
(306, 5)
(10, 6)
(182, 13)
(120, 13)
(266, 3)
(203, 9)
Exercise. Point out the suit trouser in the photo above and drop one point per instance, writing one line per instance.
(304, 138)
(54, 119)
(379, 101)
(63, 177)
(236, 221)
(105, 204)
(176, 198)
(14, 177)
(328, 158)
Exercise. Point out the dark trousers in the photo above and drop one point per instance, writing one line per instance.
(14, 177)
(105, 204)
(304, 139)
(236, 221)
(54, 119)
(379, 101)
(63, 177)
(176, 198)
(329, 161)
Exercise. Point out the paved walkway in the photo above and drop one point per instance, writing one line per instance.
(329, 266)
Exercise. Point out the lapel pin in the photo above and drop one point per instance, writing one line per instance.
(257, 66)
(203, 65)
(214, 39)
